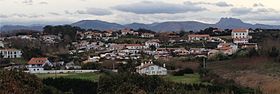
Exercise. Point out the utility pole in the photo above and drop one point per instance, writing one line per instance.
(204, 62)
(204, 57)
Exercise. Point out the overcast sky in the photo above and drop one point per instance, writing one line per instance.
(143, 11)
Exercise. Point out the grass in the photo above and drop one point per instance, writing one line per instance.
(84, 76)
(187, 78)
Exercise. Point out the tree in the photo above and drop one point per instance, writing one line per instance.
(153, 47)
(274, 52)
(13, 82)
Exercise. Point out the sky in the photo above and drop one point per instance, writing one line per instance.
(32, 12)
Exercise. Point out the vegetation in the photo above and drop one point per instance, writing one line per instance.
(13, 82)
(186, 78)
(82, 76)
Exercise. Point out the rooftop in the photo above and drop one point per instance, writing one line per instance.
(37, 60)
(239, 30)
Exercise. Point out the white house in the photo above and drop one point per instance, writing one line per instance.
(1, 44)
(181, 51)
(35, 65)
(134, 46)
(147, 35)
(240, 36)
(249, 46)
(130, 51)
(152, 43)
(227, 48)
(151, 69)
(10, 53)
(197, 37)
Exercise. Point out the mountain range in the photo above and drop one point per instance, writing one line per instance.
(223, 23)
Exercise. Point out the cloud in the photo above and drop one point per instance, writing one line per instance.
(25, 15)
(54, 13)
(68, 12)
(157, 7)
(3, 16)
(27, 2)
(95, 11)
(43, 3)
(223, 4)
(91, 11)
(265, 10)
(258, 5)
(219, 4)
(241, 11)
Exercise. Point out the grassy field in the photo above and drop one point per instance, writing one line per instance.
(255, 72)
(187, 78)
(85, 76)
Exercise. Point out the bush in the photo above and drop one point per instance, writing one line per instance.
(76, 86)
(182, 72)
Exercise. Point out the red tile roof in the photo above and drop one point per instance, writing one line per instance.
(37, 60)
(239, 30)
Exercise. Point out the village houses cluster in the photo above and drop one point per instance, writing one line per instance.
(105, 48)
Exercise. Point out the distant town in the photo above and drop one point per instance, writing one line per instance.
(207, 58)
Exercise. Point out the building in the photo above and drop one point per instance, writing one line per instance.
(147, 35)
(181, 51)
(36, 65)
(152, 43)
(10, 53)
(198, 37)
(249, 46)
(127, 31)
(227, 48)
(134, 46)
(1, 44)
(151, 69)
(197, 51)
(240, 36)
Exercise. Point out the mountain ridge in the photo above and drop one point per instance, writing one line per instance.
(223, 23)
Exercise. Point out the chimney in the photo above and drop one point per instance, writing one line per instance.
(142, 64)
(151, 62)
(164, 65)
(145, 62)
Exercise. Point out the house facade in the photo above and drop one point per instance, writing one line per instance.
(227, 48)
(134, 46)
(1, 44)
(152, 43)
(240, 36)
(197, 37)
(151, 69)
(147, 35)
(10, 53)
(36, 65)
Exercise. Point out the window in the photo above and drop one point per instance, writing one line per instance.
(152, 68)
(34, 69)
